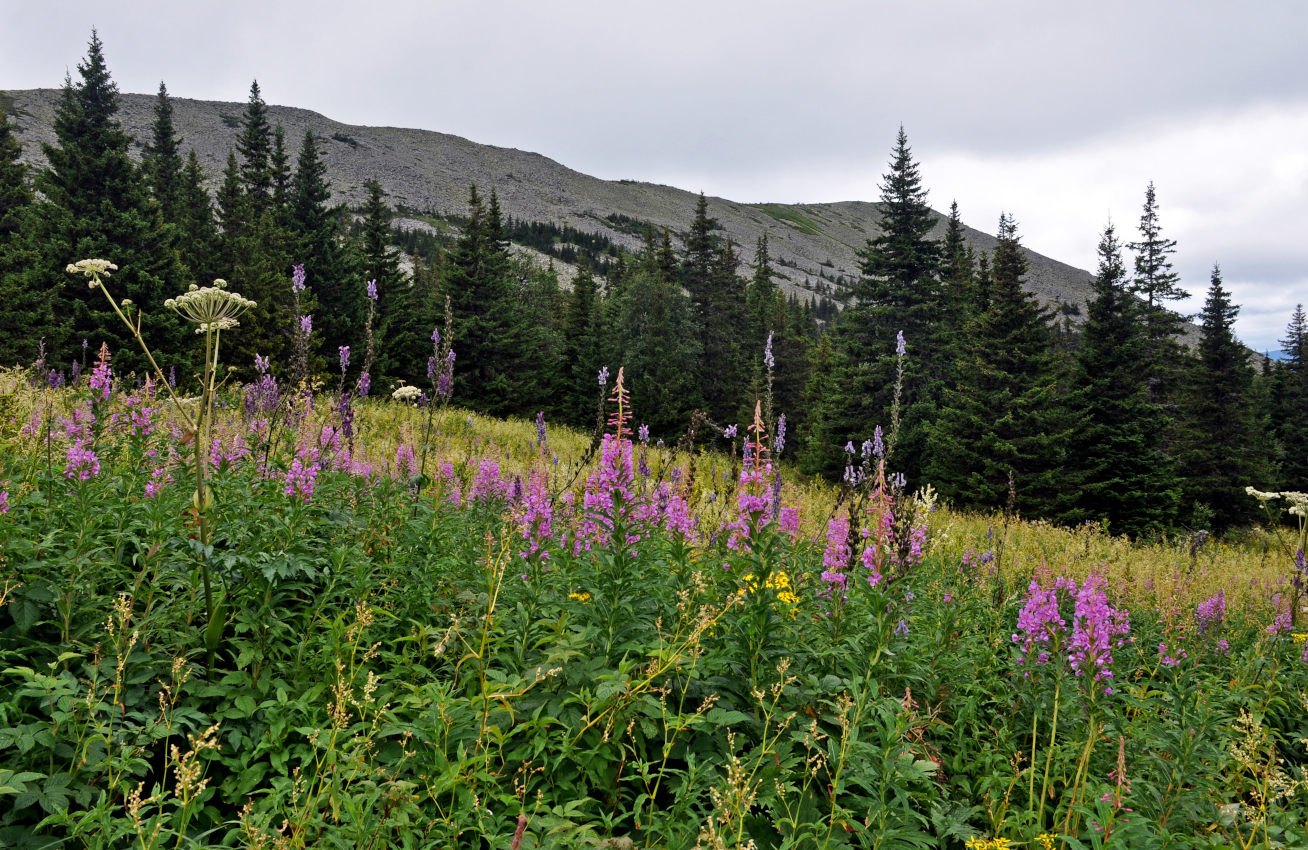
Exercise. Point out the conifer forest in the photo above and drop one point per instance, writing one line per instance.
(320, 531)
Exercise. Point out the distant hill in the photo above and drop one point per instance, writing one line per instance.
(815, 245)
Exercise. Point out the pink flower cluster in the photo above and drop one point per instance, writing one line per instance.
(1211, 612)
(82, 463)
(1097, 629)
(1039, 623)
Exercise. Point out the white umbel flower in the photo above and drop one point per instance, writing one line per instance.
(93, 269)
(210, 307)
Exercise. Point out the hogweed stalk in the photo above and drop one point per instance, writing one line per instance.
(213, 309)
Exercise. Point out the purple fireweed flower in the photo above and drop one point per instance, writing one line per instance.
(76, 370)
(306, 325)
(1167, 659)
(1281, 625)
(488, 486)
(535, 516)
(767, 353)
(372, 290)
(603, 376)
(344, 353)
(297, 278)
(900, 347)
(103, 377)
(405, 462)
(82, 463)
(1211, 612)
(609, 493)
(835, 558)
(4, 501)
(789, 522)
(445, 384)
(1039, 623)
(780, 443)
(1097, 628)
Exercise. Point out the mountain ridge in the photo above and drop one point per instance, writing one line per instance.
(815, 246)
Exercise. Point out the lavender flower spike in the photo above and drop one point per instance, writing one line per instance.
(297, 278)
(900, 348)
(372, 289)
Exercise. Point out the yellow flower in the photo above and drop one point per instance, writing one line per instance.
(580, 597)
(1046, 840)
(1300, 637)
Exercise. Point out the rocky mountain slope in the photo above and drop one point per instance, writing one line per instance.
(815, 245)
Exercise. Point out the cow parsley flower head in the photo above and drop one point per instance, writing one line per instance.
(92, 269)
(210, 307)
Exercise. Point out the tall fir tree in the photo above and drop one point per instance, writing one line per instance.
(717, 296)
(1001, 435)
(1115, 469)
(1290, 404)
(316, 228)
(481, 300)
(897, 291)
(379, 261)
(161, 162)
(29, 315)
(197, 235)
(254, 144)
(1222, 452)
(582, 347)
(1158, 285)
(653, 337)
(93, 204)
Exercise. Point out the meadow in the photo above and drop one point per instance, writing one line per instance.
(268, 616)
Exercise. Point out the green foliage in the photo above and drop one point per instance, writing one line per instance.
(1115, 469)
(1000, 438)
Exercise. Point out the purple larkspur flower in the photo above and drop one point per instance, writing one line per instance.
(344, 353)
(540, 428)
(365, 384)
(900, 347)
(730, 432)
(297, 278)
(878, 443)
(372, 289)
(767, 353)
(779, 444)
(642, 433)
(604, 376)
(306, 325)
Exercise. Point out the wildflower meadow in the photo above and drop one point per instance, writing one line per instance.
(312, 611)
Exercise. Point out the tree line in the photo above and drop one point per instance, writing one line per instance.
(993, 401)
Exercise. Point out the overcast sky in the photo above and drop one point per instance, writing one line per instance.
(1059, 113)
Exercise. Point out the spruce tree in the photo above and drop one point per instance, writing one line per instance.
(582, 349)
(162, 160)
(28, 316)
(1158, 285)
(380, 262)
(1222, 452)
(1001, 435)
(1115, 468)
(898, 291)
(477, 283)
(255, 146)
(93, 204)
(316, 229)
(197, 234)
(654, 339)
(1290, 404)
(717, 296)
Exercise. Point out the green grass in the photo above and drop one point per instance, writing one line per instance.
(792, 216)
